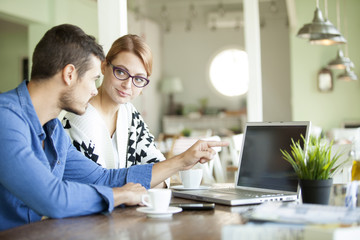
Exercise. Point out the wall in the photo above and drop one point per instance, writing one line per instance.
(13, 48)
(275, 60)
(324, 109)
(25, 11)
(148, 103)
(187, 55)
(30, 20)
(29, 23)
(327, 110)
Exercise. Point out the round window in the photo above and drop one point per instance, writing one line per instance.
(229, 72)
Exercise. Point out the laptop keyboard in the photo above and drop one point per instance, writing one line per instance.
(246, 193)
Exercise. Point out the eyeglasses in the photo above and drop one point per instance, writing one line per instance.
(122, 74)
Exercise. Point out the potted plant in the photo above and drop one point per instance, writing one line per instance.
(186, 132)
(314, 166)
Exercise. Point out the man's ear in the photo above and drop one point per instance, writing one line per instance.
(103, 66)
(69, 74)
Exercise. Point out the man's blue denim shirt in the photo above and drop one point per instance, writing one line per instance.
(55, 181)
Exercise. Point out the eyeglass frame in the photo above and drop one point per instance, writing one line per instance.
(114, 68)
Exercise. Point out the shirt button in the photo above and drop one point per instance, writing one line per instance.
(58, 162)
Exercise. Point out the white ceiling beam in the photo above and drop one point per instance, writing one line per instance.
(253, 49)
(291, 12)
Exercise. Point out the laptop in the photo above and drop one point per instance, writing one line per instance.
(263, 175)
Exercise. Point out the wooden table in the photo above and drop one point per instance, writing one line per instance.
(127, 223)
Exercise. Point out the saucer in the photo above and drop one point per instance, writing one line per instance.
(182, 188)
(159, 214)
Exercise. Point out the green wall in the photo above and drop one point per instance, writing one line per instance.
(34, 18)
(329, 109)
(13, 48)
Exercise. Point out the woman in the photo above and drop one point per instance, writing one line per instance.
(112, 132)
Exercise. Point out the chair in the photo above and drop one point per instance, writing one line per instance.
(315, 131)
(165, 143)
(344, 174)
(345, 135)
(231, 154)
(346, 141)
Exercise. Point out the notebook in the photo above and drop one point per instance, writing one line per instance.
(263, 175)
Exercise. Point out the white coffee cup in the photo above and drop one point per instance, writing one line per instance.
(191, 178)
(158, 199)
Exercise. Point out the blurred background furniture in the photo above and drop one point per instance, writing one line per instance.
(217, 123)
(230, 155)
(212, 170)
(346, 142)
(170, 86)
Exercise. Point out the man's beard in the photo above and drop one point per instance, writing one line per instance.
(68, 102)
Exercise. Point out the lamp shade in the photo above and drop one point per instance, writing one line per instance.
(327, 39)
(319, 30)
(348, 75)
(171, 85)
(340, 62)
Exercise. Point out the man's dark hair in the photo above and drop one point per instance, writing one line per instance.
(62, 45)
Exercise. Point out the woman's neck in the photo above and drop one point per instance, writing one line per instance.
(107, 109)
(104, 104)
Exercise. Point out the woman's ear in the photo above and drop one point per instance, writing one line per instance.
(69, 74)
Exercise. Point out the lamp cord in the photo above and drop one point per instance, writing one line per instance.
(345, 31)
(326, 10)
(338, 15)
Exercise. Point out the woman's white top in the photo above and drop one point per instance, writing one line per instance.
(131, 144)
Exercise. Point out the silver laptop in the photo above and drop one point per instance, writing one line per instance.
(263, 175)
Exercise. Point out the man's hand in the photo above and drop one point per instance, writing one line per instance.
(129, 194)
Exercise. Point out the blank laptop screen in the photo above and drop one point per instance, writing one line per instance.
(262, 164)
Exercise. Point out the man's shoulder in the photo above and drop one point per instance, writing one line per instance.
(10, 101)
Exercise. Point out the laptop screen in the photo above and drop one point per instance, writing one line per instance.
(261, 162)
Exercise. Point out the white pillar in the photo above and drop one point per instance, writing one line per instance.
(112, 19)
(252, 45)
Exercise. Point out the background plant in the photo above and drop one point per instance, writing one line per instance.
(314, 162)
(186, 132)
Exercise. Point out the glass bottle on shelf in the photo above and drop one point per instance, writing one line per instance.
(355, 170)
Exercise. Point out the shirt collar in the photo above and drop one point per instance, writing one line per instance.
(28, 107)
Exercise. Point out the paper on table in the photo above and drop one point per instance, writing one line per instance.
(304, 213)
(276, 231)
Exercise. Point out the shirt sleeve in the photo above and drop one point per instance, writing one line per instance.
(27, 174)
(80, 169)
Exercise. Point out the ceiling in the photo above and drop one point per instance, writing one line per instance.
(192, 10)
(172, 11)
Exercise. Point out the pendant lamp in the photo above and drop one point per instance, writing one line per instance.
(320, 31)
(328, 39)
(340, 62)
(348, 75)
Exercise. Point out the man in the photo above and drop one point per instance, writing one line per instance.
(41, 173)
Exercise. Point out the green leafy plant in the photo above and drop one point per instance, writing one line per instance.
(186, 132)
(317, 162)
